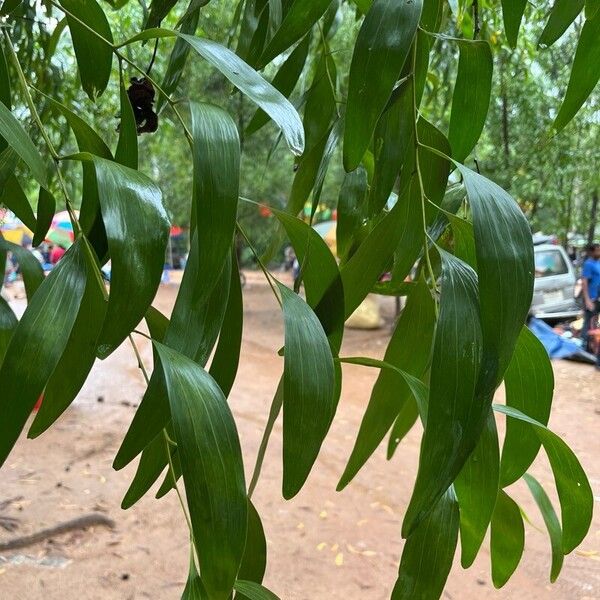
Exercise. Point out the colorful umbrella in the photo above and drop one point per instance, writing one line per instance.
(61, 230)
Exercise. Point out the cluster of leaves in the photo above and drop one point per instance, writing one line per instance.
(407, 197)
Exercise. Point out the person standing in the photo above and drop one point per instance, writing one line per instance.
(590, 284)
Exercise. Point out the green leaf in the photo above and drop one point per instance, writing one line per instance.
(8, 324)
(16, 137)
(127, 146)
(246, 79)
(254, 561)
(253, 31)
(308, 390)
(31, 270)
(454, 416)
(512, 12)
(45, 213)
(87, 138)
(471, 97)
(194, 590)
(399, 227)
(321, 276)
(432, 15)
(5, 93)
(529, 384)
(212, 467)
(428, 553)
(180, 52)
(88, 141)
(55, 38)
(584, 73)
(254, 591)
(9, 5)
(407, 417)
(216, 153)
(592, 8)
(137, 229)
(14, 198)
(392, 139)
(381, 48)
(153, 461)
(225, 362)
(285, 80)
(297, 22)
(93, 54)
(409, 350)
(505, 268)
(78, 358)
(574, 491)
(507, 539)
(38, 343)
(255, 87)
(477, 489)
(350, 211)
(193, 331)
(563, 13)
(159, 9)
(551, 521)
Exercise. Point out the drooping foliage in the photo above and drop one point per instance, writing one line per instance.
(412, 202)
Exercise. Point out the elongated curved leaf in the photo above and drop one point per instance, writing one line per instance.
(159, 9)
(224, 365)
(563, 13)
(381, 48)
(392, 139)
(574, 491)
(285, 80)
(422, 573)
(584, 73)
(212, 467)
(404, 422)
(351, 211)
(8, 324)
(512, 13)
(179, 55)
(254, 561)
(297, 22)
(45, 213)
(453, 418)
(5, 91)
(87, 141)
(246, 79)
(592, 8)
(308, 390)
(34, 350)
(507, 539)
(31, 270)
(529, 383)
(18, 140)
(322, 280)
(408, 350)
(471, 97)
(216, 153)
(194, 590)
(254, 591)
(505, 268)
(94, 55)
(193, 331)
(400, 228)
(13, 197)
(551, 521)
(127, 146)
(137, 229)
(477, 489)
(78, 358)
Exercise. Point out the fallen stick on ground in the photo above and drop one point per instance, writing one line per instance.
(90, 520)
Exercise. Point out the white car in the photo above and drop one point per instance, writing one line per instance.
(554, 287)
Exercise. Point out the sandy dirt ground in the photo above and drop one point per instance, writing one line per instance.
(322, 544)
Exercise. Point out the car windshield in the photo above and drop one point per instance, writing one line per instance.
(550, 262)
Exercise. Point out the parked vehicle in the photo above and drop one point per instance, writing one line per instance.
(554, 287)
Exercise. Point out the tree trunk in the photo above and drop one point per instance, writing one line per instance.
(593, 217)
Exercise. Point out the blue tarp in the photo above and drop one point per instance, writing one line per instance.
(557, 346)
